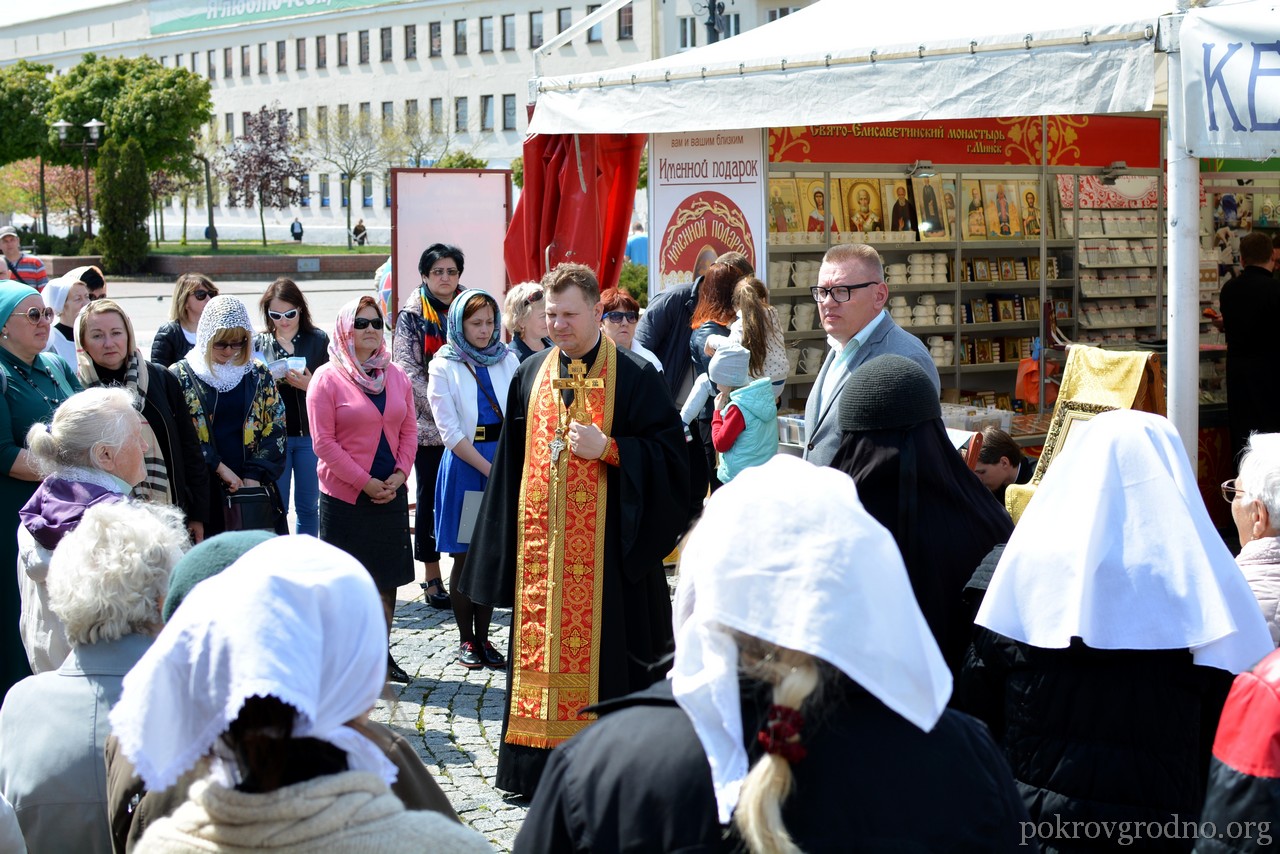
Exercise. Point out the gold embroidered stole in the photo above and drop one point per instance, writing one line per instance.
(560, 555)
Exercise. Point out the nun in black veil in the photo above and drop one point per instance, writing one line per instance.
(913, 481)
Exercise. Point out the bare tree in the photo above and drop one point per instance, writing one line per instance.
(263, 166)
(353, 150)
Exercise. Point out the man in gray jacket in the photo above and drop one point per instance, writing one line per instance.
(851, 295)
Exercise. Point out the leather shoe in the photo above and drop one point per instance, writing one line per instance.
(492, 658)
(469, 656)
(396, 673)
(436, 596)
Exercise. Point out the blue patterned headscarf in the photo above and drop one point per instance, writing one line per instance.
(458, 348)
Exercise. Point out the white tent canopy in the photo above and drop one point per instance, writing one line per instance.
(840, 61)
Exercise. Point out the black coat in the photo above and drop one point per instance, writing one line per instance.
(1250, 306)
(188, 475)
(638, 780)
(170, 345)
(664, 331)
(1098, 735)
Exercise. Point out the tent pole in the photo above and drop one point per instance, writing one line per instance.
(1183, 271)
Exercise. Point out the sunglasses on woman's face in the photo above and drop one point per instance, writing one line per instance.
(35, 315)
(231, 345)
(203, 295)
(366, 322)
(619, 316)
(282, 315)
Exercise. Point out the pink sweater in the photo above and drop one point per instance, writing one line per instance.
(343, 421)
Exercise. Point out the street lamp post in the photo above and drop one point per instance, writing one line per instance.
(93, 127)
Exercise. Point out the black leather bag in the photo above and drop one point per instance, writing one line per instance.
(252, 508)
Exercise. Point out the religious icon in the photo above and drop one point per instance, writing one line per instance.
(949, 207)
(981, 269)
(1035, 269)
(861, 198)
(1002, 209)
(1005, 309)
(981, 312)
(975, 227)
(1062, 309)
(982, 347)
(820, 214)
(1031, 306)
(1032, 217)
(783, 205)
(1008, 272)
(902, 208)
(933, 219)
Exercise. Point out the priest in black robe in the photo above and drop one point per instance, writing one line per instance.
(580, 509)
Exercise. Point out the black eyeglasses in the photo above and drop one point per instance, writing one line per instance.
(35, 315)
(282, 315)
(839, 293)
(536, 296)
(366, 322)
(1230, 490)
(619, 316)
(203, 295)
(231, 345)
(94, 296)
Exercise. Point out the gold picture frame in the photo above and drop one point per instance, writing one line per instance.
(982, 269)
(1008, 273)
(1066, 416)
(1031, 307)
(1004, 311)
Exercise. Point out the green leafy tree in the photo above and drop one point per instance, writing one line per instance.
(24, 101)
(461, 160)
(161, 108)
(517, 171)
(123, 203)
(643, 180)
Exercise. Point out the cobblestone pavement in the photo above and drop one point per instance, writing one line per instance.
(452, 716)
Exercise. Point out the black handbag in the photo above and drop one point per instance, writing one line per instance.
(252, 508)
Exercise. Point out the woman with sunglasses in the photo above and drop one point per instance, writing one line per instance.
(176, 338)
(291, 335)
(621, 314)
(33, 384)
(365, 429)
(420, 332)
(232, 400)
(525, 319)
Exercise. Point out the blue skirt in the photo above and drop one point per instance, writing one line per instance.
(456, 478)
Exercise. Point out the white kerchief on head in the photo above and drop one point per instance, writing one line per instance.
(817, 576)
(222, 312)
(293, 618)
(55, 292)
(1117, 549)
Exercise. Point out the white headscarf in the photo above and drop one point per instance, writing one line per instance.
(222, 312)
(293, 618)
(55, 293)
(817, 576)
(1117, 549)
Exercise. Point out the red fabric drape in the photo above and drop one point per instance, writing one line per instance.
(582, 226)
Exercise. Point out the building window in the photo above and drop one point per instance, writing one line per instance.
(386, 189)
(775, 14)
(384, 44)
(282, 54)
(344, 118)
(211, 65)
(535, 29)
(322, 51)
(194, 57)
(305, 190)
(366, 190)
(688, 33)
(460, 115)
(508, 32)
(342, 49)
(366, 118)
(410, 41)
(244, 122)
(732, 25)
(282, 118)
(324, 190)
(244, 60)
(300, 55)
(344, 184)
(508, 112)
(388, 116)
(437, 115)
(177, 60)
(596, 33)
(486, 35)
(486, 112)
(227, 62)
(363, 38)
(411, 114)
(302, 122)
(164, 60)
(262, 57)
(626, 23)
(436, 46)
(459, 37)
(322, 119)
(564, 19)
(230, 124)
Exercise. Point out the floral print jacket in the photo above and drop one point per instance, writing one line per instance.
(264, 425)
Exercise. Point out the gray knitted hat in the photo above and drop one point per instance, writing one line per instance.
(888, 392)
(731, 366)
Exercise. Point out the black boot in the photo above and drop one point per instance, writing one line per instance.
(436, 597)
(395, 673)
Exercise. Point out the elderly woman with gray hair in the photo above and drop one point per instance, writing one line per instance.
(524, 316)
(1255, 508)
(107, 583)
(91, 453)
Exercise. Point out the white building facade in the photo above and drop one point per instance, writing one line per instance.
(457, 70)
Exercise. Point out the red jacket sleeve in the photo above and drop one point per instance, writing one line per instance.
(726, 425)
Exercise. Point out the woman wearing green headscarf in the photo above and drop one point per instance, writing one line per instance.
(33, 385)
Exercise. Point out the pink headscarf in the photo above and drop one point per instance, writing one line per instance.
(371, 375)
